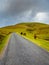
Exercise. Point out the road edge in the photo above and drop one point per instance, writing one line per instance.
(5, 47)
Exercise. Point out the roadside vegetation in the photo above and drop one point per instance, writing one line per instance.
(35, 32)
(4, 34)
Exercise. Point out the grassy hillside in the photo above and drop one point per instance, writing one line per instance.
(41, 30)
(27, 29)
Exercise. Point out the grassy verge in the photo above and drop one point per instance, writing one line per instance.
(3, 43)
(40, 42)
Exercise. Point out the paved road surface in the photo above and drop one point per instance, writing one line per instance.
(23, 52)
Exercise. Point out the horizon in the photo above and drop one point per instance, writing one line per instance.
(23, 22)
(17, 11)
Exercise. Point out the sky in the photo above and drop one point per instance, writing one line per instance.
(17, 11)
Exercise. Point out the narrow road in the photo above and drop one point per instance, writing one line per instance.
(23, 52)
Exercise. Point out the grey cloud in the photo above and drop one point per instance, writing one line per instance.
(16, 7)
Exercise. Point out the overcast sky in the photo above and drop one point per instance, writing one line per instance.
(17, 11)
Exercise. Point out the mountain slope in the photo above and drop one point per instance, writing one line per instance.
(28, 30)
(40, 29)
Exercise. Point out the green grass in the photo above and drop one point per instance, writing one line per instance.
(40, 29)
(40, 42)
(3, 43)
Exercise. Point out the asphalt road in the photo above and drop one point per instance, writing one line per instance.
(23, 52)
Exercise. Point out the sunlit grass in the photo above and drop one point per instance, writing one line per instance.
(40, 42)
(40, 29)
(3, 43)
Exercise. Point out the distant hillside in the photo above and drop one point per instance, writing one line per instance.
(35, 32)
(40, 29)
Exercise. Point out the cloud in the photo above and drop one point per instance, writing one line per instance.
(15, 7)
(16, 11)
(42, 16)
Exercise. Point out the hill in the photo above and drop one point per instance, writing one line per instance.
(40, 29)
(28, 30)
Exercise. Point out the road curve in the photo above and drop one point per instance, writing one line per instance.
(23, 52)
